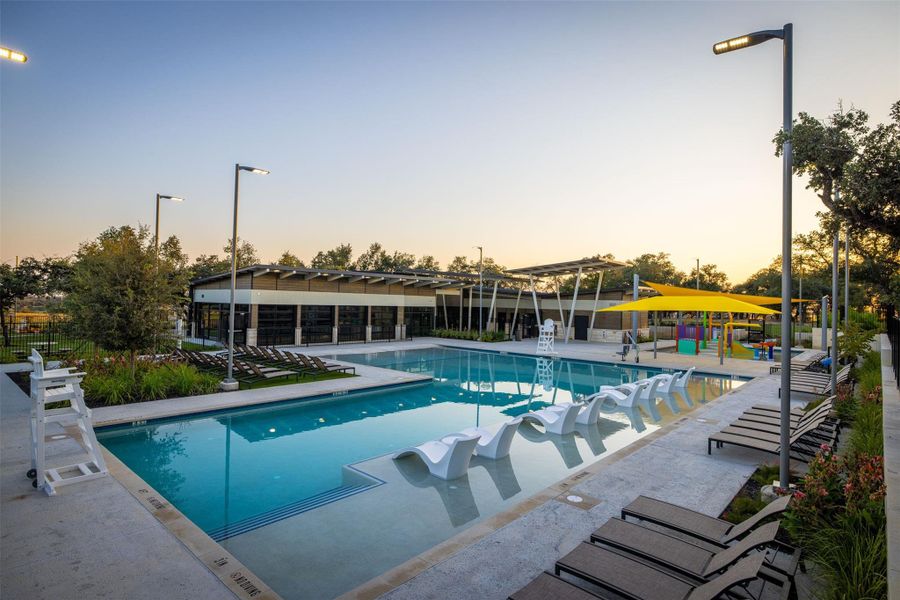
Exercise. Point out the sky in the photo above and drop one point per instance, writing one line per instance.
(541, 131)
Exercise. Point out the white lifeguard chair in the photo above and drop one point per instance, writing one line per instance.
(53, 386)
(546, 336)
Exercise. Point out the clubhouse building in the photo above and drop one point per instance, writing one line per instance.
(276, 305)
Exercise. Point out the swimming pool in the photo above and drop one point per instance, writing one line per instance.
(271, 482)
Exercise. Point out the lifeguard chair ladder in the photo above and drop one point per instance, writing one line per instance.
(546, 336)
(52, 386)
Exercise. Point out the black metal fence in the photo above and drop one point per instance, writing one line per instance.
(893, 332)
(53, 337)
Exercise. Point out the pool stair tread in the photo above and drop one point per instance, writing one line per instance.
(289, 510)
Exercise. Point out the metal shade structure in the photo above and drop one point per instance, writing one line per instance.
(691, 303)
(561, 269)
(673, 290)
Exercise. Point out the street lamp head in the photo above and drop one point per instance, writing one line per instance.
(745, 41)
(12, 55)
(172, 198)
(253, 170)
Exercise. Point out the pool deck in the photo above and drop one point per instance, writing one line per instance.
(98, 540)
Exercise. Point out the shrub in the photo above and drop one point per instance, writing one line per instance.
(855, 342)
(867, 436)
(110, 381)
(743, 507)
(487, 336)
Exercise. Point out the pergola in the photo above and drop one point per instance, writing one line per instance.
(584, 266)
(470, 281)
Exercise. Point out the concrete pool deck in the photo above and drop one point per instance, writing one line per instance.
(104, 542)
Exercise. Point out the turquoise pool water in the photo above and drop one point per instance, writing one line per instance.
(235, 470)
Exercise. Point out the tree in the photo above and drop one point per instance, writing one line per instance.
(711, 278)
(207, 265)
(339, 258)
(246, 254)
(460, 264)
(428, 263)
(657, 268)
(119, 291)
(31, 277)
(866, 164)
(288, 259)
(400, 261)
(372, 259)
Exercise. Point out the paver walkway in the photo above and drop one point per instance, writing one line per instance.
(92, 540)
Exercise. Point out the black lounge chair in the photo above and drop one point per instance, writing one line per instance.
(802, 447)
(698, 525)
(547, 586)
(630, 578)
(695, 561)
(827, 430)
(330, 368)
(809, 382)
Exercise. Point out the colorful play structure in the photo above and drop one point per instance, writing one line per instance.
(706, 331)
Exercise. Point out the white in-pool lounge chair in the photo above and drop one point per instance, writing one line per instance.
(445, 459)
(670, 382)
(492, 445)
(559, 419)
(622, 398)
(648, 387)
(589, 409)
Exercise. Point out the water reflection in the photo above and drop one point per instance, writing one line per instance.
(456, 494)
(501, 473)
(565, 444)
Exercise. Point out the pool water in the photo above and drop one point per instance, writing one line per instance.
(236, 473)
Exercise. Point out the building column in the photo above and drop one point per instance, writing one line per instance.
(401, 323)
(254, 324)
(334, 328)
(298, 328)
(368, 324)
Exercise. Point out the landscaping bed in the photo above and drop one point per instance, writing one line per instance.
(111, 381)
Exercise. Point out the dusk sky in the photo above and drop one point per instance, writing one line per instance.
(542, 131)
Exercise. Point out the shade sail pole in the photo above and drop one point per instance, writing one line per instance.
(512, 326)
(493, 303)
(596, 301)
(572, 309)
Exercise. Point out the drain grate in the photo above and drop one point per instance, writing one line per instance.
(289, 510)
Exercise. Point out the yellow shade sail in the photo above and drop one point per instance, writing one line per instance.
(718, 304)
(672, 290)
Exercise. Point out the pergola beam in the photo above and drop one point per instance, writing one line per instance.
(287, 274)
(335, 277)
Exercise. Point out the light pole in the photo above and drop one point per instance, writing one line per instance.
(13, 55)
(230, 382)
(156, 229)
(786, 34)
(846, 275)
(480, 291)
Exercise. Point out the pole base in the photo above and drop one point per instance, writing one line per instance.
(229, 385)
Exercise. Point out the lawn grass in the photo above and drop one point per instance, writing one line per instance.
(291, 380)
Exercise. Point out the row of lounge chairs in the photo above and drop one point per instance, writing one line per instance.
(759, 428)
(449, 456)
(289, 360)
(251, 368)
(244, 371)
(811, 376)
(562, 418)
(687, 556)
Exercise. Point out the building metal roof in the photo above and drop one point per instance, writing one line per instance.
(571, 267)
(420, 279)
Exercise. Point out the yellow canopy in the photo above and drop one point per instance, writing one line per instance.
(672, 290)
(691, 303)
